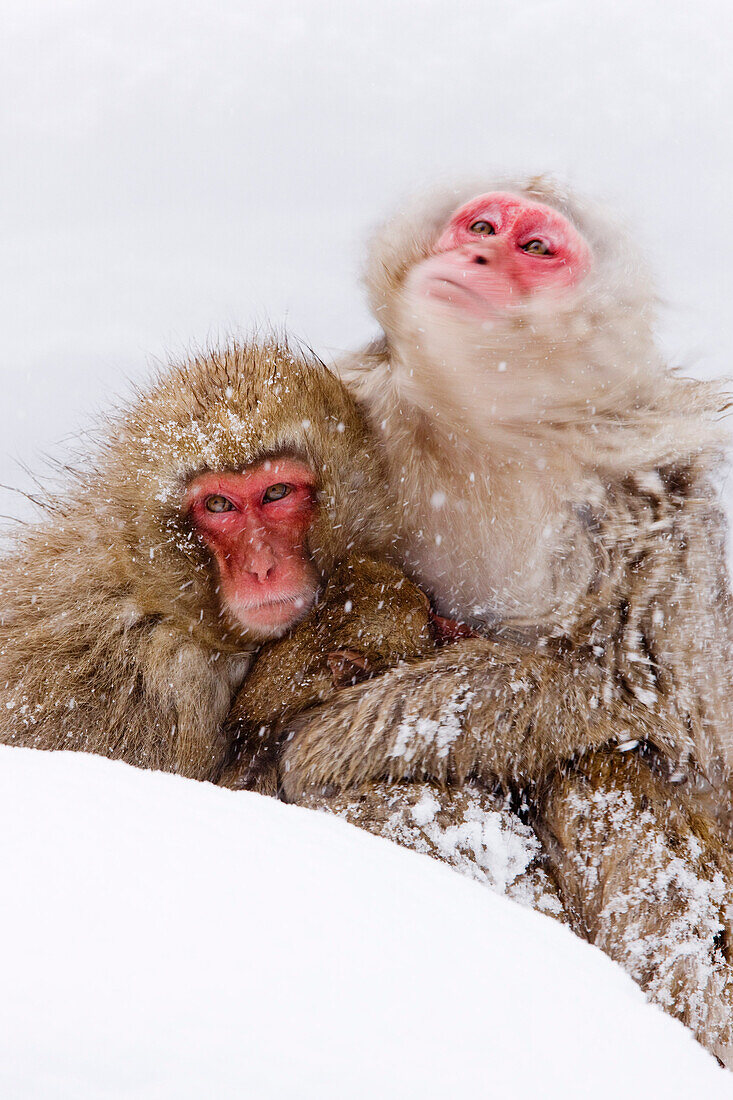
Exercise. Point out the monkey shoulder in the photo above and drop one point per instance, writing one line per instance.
(644, 523)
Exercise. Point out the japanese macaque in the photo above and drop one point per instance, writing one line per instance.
(555, 487)
(204, 526)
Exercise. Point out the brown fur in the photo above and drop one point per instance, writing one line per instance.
(112, 638)
(555, 482)
(645, 877)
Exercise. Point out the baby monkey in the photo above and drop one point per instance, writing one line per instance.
(369, 618)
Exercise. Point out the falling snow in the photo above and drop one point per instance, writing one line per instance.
(172, 173)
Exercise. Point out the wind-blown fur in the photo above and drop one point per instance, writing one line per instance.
(556, 487)
(112, 637)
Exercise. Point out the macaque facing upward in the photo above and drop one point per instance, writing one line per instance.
(555, 488)
(553, 480)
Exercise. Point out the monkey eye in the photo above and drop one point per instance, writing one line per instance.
(276, 492)
(218, 503)
(536, 247)
(483, 228)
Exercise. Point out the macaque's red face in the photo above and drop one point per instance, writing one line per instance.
(255, 524)
(498, 250)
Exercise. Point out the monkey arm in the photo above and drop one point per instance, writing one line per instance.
(477, 709)
(287, 677)
(147, 694)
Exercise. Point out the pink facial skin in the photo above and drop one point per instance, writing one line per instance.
(498, 250)
(267, 582)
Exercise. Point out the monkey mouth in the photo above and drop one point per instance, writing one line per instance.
(488, 302)
(454, 294)
(272, 616)
(440, 287)
(299, 601)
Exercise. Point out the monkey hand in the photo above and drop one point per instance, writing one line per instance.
(449, 630)
(348, 666)
(252, 770)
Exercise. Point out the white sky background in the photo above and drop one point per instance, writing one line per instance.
(172, 172)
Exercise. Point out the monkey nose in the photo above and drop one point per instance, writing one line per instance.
(487, 251)
(261, 572)
(260, 562)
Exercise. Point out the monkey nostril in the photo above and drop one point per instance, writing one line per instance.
(480, 260)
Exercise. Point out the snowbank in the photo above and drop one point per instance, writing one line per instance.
(166, 939)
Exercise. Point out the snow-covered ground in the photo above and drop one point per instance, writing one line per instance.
(165, 938)
(173, 172)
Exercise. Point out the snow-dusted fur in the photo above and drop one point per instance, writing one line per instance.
(112, 636)
(665, 921)
(470, 829)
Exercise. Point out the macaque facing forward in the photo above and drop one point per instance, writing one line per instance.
(201, 529)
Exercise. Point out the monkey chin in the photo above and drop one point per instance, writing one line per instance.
(455, 298)
(272, 618)
(446, 299)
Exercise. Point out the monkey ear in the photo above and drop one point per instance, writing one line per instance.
(449, 630)
(348, 666)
